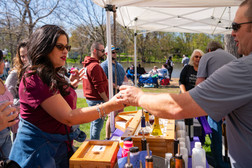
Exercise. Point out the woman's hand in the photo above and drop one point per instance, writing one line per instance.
(76, 76)
(6, 118)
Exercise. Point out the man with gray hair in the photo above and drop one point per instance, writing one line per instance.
(213, 60)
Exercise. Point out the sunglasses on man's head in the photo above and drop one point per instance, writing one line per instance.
(237, 26)
(113, 52)
(61, 47)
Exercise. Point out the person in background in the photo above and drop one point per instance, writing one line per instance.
(154, 71)
(5, 96)
(226, 93)
(163, 72)
(131, 73)
(188, 74)
(140, 70)
(13, 79)
(213, 60)
(48, 103)
(7, 67)
(95, 85)
(187, 81)
(185, 60)
(170, 65)
(118, 76)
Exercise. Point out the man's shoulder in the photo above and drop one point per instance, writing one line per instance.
(104, 64)
(218, 54)
(93, 65)
(221, 52)
(118, 64)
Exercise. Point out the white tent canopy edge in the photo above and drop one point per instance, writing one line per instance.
(169, 3)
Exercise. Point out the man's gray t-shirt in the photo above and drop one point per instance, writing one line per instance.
(228, 92)
(213, 61)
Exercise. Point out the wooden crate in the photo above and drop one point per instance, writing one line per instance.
(123, 119)
(95, 154)
(159, 145)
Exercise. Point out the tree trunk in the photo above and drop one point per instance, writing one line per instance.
(230, 45)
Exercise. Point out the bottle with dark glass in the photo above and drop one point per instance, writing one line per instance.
(148, 158)
(143, 131)
(175, 150)
(144, 143)
(189, 128)
(178, 161)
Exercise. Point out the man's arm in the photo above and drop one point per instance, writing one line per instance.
(199, 80)
(172, 106)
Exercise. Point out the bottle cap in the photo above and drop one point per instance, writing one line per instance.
(168, 155)
(197, 145)
(134, 149)
(178, 156)
(127, 139)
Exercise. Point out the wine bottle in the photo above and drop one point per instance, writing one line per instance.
(147, 122)
(156, 128)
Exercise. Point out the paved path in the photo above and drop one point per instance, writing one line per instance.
(79, 93)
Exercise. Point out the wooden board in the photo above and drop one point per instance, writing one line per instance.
(123, 119)
(95, 154)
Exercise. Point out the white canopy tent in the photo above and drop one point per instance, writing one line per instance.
(192, 16)
(191, 20)
(169, 3)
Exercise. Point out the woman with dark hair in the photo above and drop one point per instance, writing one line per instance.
(13, 79)
(48, 103)
(5, 96)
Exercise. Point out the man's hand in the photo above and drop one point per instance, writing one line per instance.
(5, 116)
(129, 95)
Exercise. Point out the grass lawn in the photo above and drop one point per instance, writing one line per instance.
(172, 88)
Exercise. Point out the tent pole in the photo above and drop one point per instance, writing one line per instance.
(135, 53)
(110, 81)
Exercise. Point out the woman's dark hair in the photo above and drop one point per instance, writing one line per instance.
(40, 44)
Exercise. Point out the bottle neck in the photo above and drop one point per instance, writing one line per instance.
(147, 119)
(156, 121)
